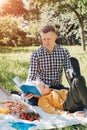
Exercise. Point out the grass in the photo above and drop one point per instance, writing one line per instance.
(76, 51)
(15, 62)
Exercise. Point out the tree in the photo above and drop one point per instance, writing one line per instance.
(13, 7)
(79, 7)
(10, 32)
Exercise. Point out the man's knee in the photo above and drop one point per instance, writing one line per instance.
(79, 81)
(71, 75)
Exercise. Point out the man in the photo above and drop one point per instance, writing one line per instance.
(47, 62)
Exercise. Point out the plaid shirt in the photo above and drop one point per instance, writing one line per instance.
(48, 66)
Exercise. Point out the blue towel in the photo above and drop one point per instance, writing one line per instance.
(21, 125)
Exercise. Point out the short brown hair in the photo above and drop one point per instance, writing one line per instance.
(48, 28)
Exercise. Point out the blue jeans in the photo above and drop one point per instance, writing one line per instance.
(77, 95)
(33, 101)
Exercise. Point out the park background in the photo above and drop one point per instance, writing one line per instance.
(20, 22)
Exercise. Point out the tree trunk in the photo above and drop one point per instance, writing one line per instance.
(82, 36)
(81, 22)
(14, 43)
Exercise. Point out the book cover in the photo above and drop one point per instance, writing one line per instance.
(29, 87)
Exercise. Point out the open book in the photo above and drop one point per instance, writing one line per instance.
(28, 87)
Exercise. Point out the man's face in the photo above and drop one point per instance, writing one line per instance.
(48, 40)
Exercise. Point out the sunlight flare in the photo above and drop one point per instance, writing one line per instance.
(2, 1)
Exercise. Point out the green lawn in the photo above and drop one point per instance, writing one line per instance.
(15, 62)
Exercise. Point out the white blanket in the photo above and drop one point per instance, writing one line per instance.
(50, 121)
(47, 121)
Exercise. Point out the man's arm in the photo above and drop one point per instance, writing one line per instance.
(33, 70)
(67, 62)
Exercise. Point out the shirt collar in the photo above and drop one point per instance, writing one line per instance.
(54, 49)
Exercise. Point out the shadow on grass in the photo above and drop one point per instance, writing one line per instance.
(6, 50)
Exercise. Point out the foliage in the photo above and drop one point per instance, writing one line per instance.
(64, 7)
(79, 8)
(10, 33)
(68, 16)
(34, 10)
(16, 31)
(14, 7)
(32, 32)
(66, 24)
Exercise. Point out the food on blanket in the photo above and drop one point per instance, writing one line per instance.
(20, 109)
(4, 110)
(14, 107)
(31, 116)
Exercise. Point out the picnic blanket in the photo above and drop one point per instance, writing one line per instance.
(47, 121)
(50, 121)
